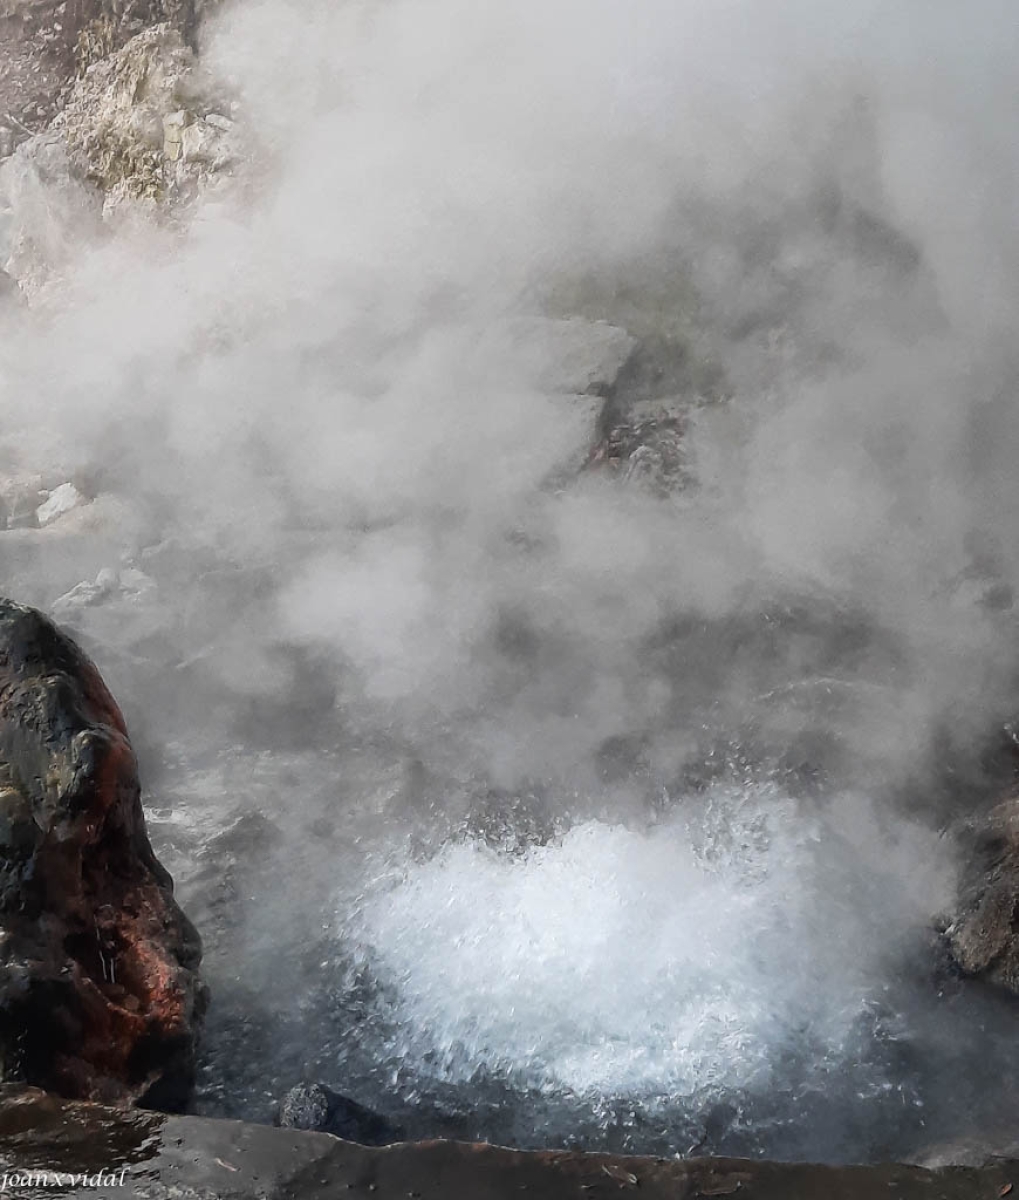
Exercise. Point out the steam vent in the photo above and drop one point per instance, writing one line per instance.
(100, 997)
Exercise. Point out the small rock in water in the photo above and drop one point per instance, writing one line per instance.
(305, 1107)
(316, 1107)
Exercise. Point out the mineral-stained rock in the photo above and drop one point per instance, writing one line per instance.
(313, 1106)
(100, 997)
(984, 937)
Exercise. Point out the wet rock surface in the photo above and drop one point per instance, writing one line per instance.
(984, 938)
(100, 996)
(646, 445)
(98, 1152)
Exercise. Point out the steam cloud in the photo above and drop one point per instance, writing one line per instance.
(317, 419)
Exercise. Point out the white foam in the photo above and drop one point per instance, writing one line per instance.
(689, 957)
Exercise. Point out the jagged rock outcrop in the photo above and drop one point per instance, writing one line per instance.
(103, 109)
(45, 43)
(141, 124)
(100, 996)
(144, 127)
(646, 445)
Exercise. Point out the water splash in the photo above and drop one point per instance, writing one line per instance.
(737, 947)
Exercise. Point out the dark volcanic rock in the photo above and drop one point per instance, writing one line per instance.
(99, 992)
(647, 444)
(984, 937)
(314, 1106)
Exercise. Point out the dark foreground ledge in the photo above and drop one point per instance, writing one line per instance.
(132, 1153)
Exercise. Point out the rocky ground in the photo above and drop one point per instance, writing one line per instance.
(159, 1157)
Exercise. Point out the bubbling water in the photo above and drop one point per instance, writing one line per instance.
(742, 946)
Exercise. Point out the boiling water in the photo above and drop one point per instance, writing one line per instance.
(714, 977)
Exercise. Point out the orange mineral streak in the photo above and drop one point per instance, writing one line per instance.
(139, 990)
(115, 777)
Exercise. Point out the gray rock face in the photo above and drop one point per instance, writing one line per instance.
(100, 997)
(984, 937)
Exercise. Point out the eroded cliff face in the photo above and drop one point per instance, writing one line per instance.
(48, 42)
(105, 115)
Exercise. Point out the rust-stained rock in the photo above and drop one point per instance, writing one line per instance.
(646, 445)
(100, 997)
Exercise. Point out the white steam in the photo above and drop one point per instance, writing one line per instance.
(314, 420)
